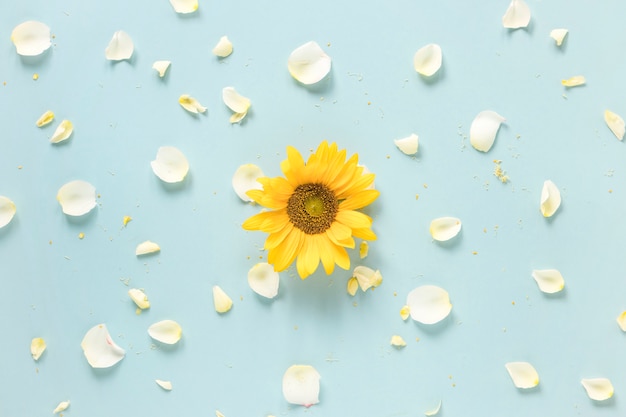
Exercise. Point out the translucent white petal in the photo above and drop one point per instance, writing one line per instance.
(523, 374)
(222, 302)
(191, 104)
(170, 164)
(161, 67)
(301, 385)
(235, 101)
(245, 179)
(517, 15)
(484, 129)
(62, 132)
(139, 297)
(99, 348)
(223, 48)
(549, 280)
(352, 286)
(574, 81)
(184, 6)
(237, 117)
(397, 341)
(45, 119)
(166, 331)
(405, 312)
(598, 389)
(120, 47)
(367, 277)
(31, 38)
(408, 145)
(364, 248)
(550, 199)
(166, 385)
(428, 304)
(615, 123)
(445, 228)
(61, 407)
(264, 280)
(427, 60)
(37, 347)
(558, 35)
(621, 321)
(218, 413)
(308, 63)
(147, 247)
(77, 197)
(434, 411)
(7, 211)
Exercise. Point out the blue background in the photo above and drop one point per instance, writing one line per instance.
(57, 286)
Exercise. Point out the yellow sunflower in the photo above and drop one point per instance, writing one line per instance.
(312, 214)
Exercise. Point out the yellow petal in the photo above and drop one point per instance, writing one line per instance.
(353, 286)
(363, 249)
(621, 321)
(37, 347)
(139, 298)
(45, 119)
(574, 81)
(405, 312)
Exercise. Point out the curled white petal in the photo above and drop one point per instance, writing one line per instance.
(139, 298)
(550, 199)
(397, 341)
(45, 119)
(221, 301)
(7, 211)
(37, 347)
(598, 389)
(484, 129)
(301, 385)
(77, 198)
(62, 132)
(147, 247)
(352, 286)
(367, 277)
(517, 15)
(615, 123)
(120, 47)
(245, 179)
(31, 38)
(558, 35)
(434, 411)
(170, 164)
(223, 48)
(445, 228)
(166, 385)
(621, 321)
(63, 405)
(236, 102)
(523, 374)
(191, 104)
(99, 348)
(166, 331)
(308, 63)
(428, 304)
(574, 81)
(427, 60)
(161, 67)
(549, 281)
(184, 6)
(408, 145)
(264, 280)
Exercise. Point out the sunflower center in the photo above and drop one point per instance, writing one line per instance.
(312, 208)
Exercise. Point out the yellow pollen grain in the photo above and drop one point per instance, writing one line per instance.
(126, 220)
(35, 76)
(81, 235)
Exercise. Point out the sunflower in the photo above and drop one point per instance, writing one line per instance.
(312, 214)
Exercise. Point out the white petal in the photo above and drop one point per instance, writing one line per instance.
(218, 413)
(427, 60)
(484, 129)
(308, 63)
(408, 145)
(221, 300)
(517, 15)
(549, 280)
(301, 385)
(434, 411)
(574, 81)
(550, 199)
(161, 67)
(558, 35)
(615, 123)
(223, 48)
(445, 228)
(7, 211)
(166, 331)
(184, 6)
(147, 247)
(166, 385)
(367, 277)
(170, 164)
(263, 280)
(139, 297)
(99, 348)
(523, 374)
(191, 104)
(621, 321)
(37, 347)
(397, 341)
(352, 286)
(31, 38)
(61, 407)
(62, 132)
(45, 119)
(121, 47)
(77, 197)
(235, 101)
(245, 179)
(428, 304)
(598, 389)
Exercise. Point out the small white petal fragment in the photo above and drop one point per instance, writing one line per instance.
(245, 179)
(191, 104)
(367, 277)
(549, 281)
(77, 197)
(170, 165)
(615, 123)
(146, 248)
(558, 35)
(223, 48)
(427, 60)
(397, 341)
(166, 385)
(308, 63)
(429, 304)
(45, 119)
(434, 411)
(62, 132)
(523, 374)
(218, 413)
(405, 312)
(236, 102)
(621, 321)
(550, 199)
(598, 389)
(7, 211)
(37, 347)
(99, 348)
(139, 297)
(517, 15)
(166, 331)
(352, 286)
(222, 302)
(264, 280)
(301, 385)
(408, 145)
(61, 407)
(161, 67)
(184, 6)
(445, 228)
(120, 47)
(31, 38)
(574, 81)
(484, 129)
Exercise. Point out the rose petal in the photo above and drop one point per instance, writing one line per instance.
(517, 15)
(62, 132)
(99, 348)
(445, 228)
(166, 385)
(353, 286)
(184, 6)
(484, 129)
(397, 341)
(615, 123)
(139, 297)
(621, 321)
(37, 347)
(427, 60)
(222, 302)
(550, 199)
(7, 211)
(147, 247)
(166, 331)
(161, 67)
(120, 47)
(309, 63)
(598, 389)
(429, 304)
(301, 385)
(191, 104)
(223, 48)
(408, 145)
(574, 81)
(523, 374)
(558, 35)
(45, 119)
(77, 198)
(245, 179)
(405, 312)
(367, 277)
(549, 281)
(61, 407)
(264, 280)
(170, 164)
(236, 102)
(31, 38)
